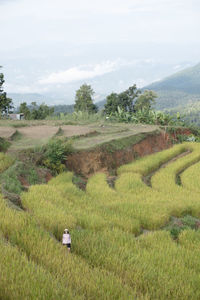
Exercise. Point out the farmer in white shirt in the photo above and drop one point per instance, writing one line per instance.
(66, 240)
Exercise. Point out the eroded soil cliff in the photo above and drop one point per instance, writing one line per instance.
(86, 163)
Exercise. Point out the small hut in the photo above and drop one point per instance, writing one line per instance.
(16, 116)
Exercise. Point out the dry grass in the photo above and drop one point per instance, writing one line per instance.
(37, 133)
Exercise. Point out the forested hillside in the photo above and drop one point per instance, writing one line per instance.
(178, 89)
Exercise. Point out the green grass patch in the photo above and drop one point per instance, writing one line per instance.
(79, 181)
(177, 225)
(123, 143)
(4, 145)
(55, 154)
(60, 132)
(115, 137)
(16, 136)
(19, 125)
(11, 177)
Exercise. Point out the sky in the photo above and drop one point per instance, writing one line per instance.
(52, 47)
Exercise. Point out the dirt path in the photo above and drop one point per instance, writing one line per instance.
(6, 132)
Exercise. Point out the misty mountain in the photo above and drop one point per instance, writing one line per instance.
(179, 89)
(173, 91)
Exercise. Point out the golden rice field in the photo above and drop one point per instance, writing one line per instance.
(110, 258)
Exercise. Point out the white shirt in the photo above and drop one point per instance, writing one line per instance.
(66, 238)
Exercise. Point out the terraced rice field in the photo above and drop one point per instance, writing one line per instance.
(111, 258)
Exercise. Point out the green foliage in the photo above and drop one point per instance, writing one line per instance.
(130, 101)
(189, 113)
(11, 183)
(4, 145)
(190, 221)
(80, 117)
(123, 143)
(79, 181)
(124, 101)
(25, 110)
(35, 112)
(10, 178)
(19, 124)
(59, 132)
(177, 225)
(55, 154)
(181, 138)
(112, 104)
(142, 116)
(84, 101)
(5, 162)
(145, 101)
(5, 103)
(16, 136)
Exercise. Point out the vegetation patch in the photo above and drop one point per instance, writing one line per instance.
(55, 154)
(120, 144)
(19, 176)
(19, 124)
(60, 132)
(177, 225)
(16, 136)
(4, 145)
(123, 143)
(79, 181)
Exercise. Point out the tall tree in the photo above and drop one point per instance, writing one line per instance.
(84, 101)
(112, 103)
(127, 98)
(124, 100)
(6, 103)
(145, 101)
(25, 110)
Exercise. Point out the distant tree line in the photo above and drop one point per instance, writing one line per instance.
(34, 111)
(122, 105)
(131, 100)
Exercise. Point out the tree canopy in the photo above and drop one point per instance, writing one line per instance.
(145, 101)
(84, 101)
(131, 100)
(34, 111)
(5, 103)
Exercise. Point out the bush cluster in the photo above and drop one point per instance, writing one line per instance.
(55, 154)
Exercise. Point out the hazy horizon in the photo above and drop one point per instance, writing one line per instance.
(51, 48)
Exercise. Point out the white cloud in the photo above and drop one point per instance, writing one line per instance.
(24, 89)
(80, 73)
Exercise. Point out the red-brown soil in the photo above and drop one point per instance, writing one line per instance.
(86, 163)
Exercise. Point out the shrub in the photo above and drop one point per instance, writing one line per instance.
(55, 154)
(4, 144)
